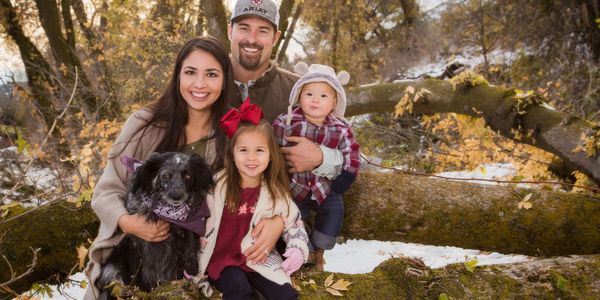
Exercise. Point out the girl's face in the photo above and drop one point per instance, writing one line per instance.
(200, 80)
(251, 155)
(317, 100)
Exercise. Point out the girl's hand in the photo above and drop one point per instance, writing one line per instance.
(293, 262)
(266, 233)
(147, 231)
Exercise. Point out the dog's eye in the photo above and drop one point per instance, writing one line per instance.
(165, 177)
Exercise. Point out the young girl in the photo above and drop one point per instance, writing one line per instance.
(252, 186)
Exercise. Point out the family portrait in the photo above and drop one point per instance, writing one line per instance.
(285, 149)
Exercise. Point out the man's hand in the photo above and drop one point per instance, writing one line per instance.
(266, 233)
(138, 226)
(304, 156)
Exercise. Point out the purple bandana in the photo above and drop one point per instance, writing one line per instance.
(184, 216)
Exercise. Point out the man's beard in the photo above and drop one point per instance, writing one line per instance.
(250, 62)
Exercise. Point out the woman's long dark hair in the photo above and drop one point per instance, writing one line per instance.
(170, 111)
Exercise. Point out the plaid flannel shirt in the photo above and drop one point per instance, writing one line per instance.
(335, 134)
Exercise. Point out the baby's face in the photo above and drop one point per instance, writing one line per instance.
(317, 100)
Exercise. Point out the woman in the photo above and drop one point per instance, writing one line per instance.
(185, 118)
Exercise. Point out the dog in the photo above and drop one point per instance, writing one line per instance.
(167, 186)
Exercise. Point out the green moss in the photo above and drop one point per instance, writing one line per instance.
(558, 223)
(57, 230)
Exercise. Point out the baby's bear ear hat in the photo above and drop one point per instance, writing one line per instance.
(320, 73)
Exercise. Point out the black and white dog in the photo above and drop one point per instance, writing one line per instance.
(171, 186)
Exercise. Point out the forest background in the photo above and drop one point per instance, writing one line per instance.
(89, 64)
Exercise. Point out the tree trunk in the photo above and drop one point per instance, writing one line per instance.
(285, 9)
(60, 229)
(215, 19)
(67, 60)
(442, 212)
(68, 21)
(383, 206)
(411, 12)
(96, 53)
(520, 119)
(40, 76)
(574, 277)
(289, 33)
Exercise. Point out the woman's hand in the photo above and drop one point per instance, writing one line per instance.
(266, 233)
(147, 231)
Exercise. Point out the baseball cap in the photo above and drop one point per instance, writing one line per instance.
(265, 9)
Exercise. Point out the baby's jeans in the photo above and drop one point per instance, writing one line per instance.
(327, 220)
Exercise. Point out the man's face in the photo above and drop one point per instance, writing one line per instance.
(252, 40)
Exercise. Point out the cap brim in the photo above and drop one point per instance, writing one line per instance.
(240, 17)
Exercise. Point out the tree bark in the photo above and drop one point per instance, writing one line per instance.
(67, 60)
(575, 277)
(534, 124)
(411, 12)
(382, 206)
(289, 33)
(96, 53)
(433, 211)
(40, 76)
(215, 19)
(285, 9)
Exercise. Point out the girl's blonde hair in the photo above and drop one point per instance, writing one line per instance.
(275, 175)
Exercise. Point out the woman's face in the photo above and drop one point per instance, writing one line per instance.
(200, 80)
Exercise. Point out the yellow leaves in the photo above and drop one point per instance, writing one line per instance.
(526, 204)
(590, 143)
(468, 143)
(81, 255)
(408, 99)
(467, 79)
(471, 264)
(335, 288)
(341, 285)
(331, 286)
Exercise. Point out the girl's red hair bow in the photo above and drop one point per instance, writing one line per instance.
(248, 112)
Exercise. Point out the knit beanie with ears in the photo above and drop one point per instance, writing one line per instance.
(319, 73)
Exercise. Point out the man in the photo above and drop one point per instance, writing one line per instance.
(253, 32)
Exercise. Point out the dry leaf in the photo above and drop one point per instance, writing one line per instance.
(425, 91)
(81, 255)
(409, 89)
(329, 280)
(527, 205)
(333, 292)
(341, 285)
(526, 198)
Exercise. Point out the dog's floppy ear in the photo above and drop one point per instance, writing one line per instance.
(203, 176)
(145, 174)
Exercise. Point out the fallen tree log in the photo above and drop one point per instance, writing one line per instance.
(382, 206)
(433, 211)
(57, 230)
(575, 277)
(521, 118)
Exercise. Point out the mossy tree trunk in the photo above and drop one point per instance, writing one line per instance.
(576, 277)
(399, 207)
(383, 206)
(523, 119)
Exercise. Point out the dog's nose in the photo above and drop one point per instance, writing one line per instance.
(176, 195)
